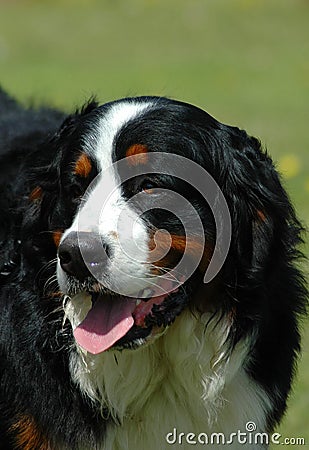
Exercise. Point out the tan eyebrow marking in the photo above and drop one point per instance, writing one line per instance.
(140, 152)
(83, 166)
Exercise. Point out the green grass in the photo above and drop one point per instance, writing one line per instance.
(245, 61)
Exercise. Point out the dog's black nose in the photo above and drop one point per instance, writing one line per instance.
(82, 254)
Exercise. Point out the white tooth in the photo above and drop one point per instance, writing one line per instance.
(137, 302)
(147, 293)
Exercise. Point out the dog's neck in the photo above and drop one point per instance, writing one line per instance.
(186, 380)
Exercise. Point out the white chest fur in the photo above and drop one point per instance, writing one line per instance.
(184, 382)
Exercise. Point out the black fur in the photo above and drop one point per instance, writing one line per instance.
(35, 380)
(260, 285)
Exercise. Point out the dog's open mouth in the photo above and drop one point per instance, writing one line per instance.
(119, 320)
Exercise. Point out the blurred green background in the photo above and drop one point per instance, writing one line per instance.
(245, 61)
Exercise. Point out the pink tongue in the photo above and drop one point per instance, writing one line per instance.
(107, 321)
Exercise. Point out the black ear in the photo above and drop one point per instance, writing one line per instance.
(262, 280)
(70, 122)
(60, 143)
(264, 284)
(52, 212)
(264, 226)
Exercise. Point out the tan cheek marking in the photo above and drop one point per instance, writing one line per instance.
(83, 166)
(57, 237)
(36, 194)
(28, 436)
(179, 245)
(140, 152)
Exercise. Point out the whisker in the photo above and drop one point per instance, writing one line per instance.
(50, 282)
(46, 266)
(167, 271)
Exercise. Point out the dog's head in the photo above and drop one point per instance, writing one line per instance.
(144, 197)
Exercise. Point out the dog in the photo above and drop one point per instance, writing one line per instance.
(108, 339)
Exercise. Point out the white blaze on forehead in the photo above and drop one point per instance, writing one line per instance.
(105, 211)
(107, 192)
(102, 144)
(99, 142)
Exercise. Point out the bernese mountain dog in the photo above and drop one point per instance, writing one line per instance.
(114, 334)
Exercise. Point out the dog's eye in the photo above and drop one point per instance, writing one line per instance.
(148, 186)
